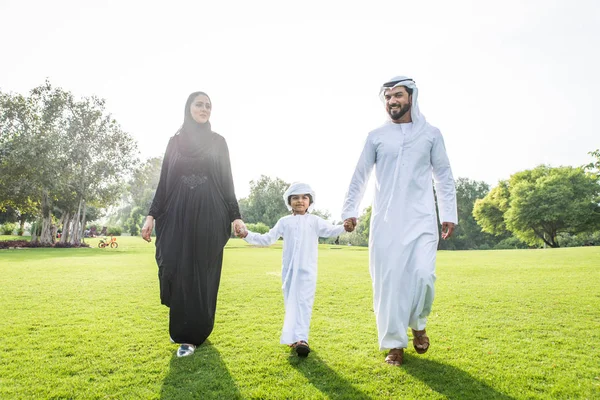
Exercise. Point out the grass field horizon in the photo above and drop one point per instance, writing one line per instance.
(506, 324)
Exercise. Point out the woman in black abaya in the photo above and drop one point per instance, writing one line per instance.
(193, 207)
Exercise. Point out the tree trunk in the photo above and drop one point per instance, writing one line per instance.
(46, 235)
(81, 235)
(59, 226)
(65, 227)
(34, 228)
(75, 238)
(22, 226)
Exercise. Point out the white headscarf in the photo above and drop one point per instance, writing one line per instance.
(418, 119)
(299, 188)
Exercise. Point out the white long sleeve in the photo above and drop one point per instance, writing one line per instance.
(444, 181)
(359, 181)
(328, 230)
(265, 239)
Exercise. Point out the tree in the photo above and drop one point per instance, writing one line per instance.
(139, 194)
(100, 154)
(144, 182)
(265, 202)
(325, 214)
(56, 151)
(360, 236)
(135, 221)
(536, 205)
(31, 150)
(364, 223)
(468, 234)
(489, 211)
(594, 166)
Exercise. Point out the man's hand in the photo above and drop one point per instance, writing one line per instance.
(147, 228)
(239, 227)
(350, 224)
(447, 229)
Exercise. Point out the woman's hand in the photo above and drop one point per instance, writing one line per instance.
(239, 228)
(147, 228)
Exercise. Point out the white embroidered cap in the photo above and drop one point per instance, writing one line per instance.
(299, 188)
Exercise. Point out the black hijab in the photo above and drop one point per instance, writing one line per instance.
(194, 138)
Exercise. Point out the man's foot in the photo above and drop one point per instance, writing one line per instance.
(420, 341)
(301, 348)
(395, 357)
(186, 350)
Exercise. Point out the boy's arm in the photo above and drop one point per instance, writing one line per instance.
(265, 239)
(328, 230)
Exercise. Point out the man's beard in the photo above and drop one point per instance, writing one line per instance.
(397, 114)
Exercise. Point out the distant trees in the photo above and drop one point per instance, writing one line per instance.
(138, 196)
(537, 205)
(59, 155)
(468, 234)
(594, 166)
(265, 202)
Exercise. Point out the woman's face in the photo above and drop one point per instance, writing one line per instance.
(200, 109)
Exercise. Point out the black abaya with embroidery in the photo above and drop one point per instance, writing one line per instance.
(193, 208)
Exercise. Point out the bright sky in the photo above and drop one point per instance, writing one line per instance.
(294, 85)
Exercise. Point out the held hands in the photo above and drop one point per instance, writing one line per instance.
(147, 228)
(447, 229)
(350, 224)
(239, 227)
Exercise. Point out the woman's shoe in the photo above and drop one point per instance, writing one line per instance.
(185, 350)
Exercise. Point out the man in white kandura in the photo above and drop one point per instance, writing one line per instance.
(407, 152)
(301, 232)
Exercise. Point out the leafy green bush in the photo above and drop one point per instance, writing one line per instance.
(581, 239)
(7, 244)
(132, 226)
(259, 227)
(8, 228)
(135, 221)
(354, 239)
(114, 231)
(510, 243)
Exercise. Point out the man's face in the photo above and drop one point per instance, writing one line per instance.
(300, 203)
(398, 103)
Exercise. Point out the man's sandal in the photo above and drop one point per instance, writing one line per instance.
(301, 348)
(420, 341)
(395, 357)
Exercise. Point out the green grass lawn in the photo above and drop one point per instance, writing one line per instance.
(87, 323)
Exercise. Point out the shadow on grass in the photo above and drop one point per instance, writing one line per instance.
(325, 379)
(449, 381)
(203, 375)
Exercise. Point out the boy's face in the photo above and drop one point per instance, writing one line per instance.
(300, 203)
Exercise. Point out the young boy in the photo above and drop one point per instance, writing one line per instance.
(300, 232)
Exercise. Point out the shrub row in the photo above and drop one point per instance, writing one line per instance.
(5, 244)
